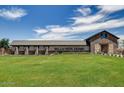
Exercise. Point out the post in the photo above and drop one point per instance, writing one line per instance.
(46, 51)
(26, 51)
(37, 50)
(110, 49)
(2, 51)
(16, 51)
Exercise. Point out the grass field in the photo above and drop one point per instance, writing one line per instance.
(61, 70)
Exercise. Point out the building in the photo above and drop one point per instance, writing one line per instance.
(121, 43)
(103, 42)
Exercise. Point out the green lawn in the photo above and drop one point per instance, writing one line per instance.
(61, 70)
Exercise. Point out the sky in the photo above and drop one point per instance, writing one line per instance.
(60, 22)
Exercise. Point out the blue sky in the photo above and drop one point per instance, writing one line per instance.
(60, 22)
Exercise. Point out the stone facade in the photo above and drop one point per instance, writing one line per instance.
(107, 44)
(96, 46)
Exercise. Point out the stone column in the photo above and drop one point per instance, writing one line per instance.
(46, 51)
(16, 51)
(97, 48)
(36, 51)
(26, 51)
(110, 49)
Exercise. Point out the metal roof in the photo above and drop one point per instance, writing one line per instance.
(48, 42)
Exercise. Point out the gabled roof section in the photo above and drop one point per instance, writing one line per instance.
(101, 32)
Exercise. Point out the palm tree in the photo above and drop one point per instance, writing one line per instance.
(4, 44)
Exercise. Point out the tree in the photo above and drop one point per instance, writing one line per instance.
(4, 44)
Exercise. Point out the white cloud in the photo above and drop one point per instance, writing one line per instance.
(99, 16)
(83, 23)
(40, 30)
(111, 8)
(58, 29)
(87, 20)
(53, 36)
(121, 37)
(57, 36)
(84, 11)
(52, 26)
(13, 13)
(52, 32)
(103, 25)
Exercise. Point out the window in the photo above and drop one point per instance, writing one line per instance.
(104, 35)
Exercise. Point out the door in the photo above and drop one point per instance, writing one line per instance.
(104, 48)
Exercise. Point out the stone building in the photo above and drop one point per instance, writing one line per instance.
(103, 42)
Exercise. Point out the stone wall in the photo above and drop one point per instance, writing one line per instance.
(96, 46)
(111, 48)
